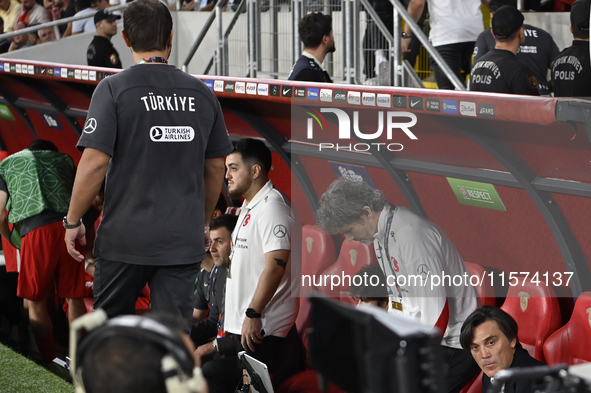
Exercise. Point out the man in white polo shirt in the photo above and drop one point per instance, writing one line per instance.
(260, 310)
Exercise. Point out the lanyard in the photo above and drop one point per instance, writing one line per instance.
(386, 261)
(237, 230)
(153, 60)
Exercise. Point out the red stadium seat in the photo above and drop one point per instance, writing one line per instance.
(476, 386)
(485, 290)
(535, 308)
(353, 256)
(318, 253)
(305, 382)
(571, 344)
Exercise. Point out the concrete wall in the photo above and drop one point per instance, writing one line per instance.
(555, 23)
(72, 50)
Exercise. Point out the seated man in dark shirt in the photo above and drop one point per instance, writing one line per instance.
(101, 52)
(490, 334)
(220, 231)
(315, 31)
(499, 71)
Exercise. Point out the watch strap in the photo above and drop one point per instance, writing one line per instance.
(71, 226)
(251, 313)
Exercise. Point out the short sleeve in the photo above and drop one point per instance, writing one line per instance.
(524, 82)
(275, 227)
(100, 129)
(219, 143)
(200, 299)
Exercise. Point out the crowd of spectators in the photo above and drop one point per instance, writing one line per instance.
(17, 15)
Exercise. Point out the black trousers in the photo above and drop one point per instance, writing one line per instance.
(117, 286)
(458, 57)
(462, 368)
(283, 357)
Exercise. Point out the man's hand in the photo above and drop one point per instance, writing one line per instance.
(405, 45)
(70, 239)
(202, 351)
(251, 333)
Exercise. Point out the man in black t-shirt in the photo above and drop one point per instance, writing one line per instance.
(101, 52)
(63, 9)
(571, 71)
(499, 71)
(316, 33)
(158, 134)
(537, 51)
(220, 230)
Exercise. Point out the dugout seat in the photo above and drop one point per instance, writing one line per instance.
(571, 344)
(485, 290)
(318, 253)
(535, 308)
(353, 256)
(305, 382)
(476, 386)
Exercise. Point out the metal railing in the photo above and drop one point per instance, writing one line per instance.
(263, 53)
(206, 26)
(416, 30)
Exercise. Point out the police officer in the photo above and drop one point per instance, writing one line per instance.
(571, 71)
(316, 33)
(537, 52)
(101, 52)
(499, 71)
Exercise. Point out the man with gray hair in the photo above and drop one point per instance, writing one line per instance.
(418, 259)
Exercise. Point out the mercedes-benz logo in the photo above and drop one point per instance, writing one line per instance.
(279, 231)
(90, 125)
(423, 269)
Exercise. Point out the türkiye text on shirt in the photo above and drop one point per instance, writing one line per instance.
(154, 102)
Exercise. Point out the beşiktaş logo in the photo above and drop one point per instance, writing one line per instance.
(345, 126)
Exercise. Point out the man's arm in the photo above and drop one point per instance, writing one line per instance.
(415, 9)
(89, 178)
(213, 178)
(4, 229)
(275, 263)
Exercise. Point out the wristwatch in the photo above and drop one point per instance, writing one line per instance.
(71, 226)
(404, 35)
(215, 344)
(251, 313)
